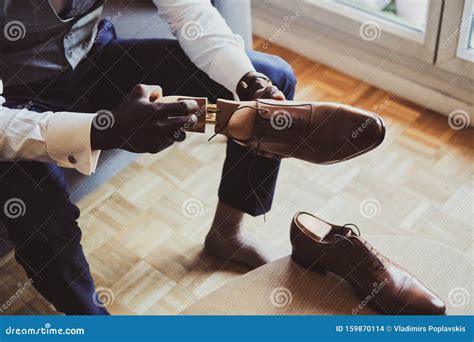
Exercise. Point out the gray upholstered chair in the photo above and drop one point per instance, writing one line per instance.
(139, 20)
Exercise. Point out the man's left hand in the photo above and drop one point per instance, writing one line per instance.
(267, 91)
(254, 86)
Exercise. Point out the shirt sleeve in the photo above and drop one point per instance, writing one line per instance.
(207, 40)
(62, 138)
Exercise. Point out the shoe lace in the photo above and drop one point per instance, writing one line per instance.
(259, 110)
(224, 126)
(374, 255)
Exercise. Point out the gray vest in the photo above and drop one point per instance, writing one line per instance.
(35, 44)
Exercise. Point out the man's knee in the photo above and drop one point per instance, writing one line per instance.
(285, 73)
(279, 71)
(37, 213)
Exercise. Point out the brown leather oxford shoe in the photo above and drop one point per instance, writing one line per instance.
(384, 285)
(317, 132)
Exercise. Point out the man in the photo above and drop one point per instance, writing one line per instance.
(59, 68)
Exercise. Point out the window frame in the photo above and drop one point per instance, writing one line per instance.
(465, 52)
(362, 16)
(451, 37)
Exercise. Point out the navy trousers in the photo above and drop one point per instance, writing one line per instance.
(47, 237)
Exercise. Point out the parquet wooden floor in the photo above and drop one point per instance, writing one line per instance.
(147, 251)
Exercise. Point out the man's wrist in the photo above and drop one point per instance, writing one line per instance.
(68, 141)
(250, 83)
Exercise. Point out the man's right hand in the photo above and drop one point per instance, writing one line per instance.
(140, 126)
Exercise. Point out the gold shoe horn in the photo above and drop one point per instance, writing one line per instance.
(211, 114)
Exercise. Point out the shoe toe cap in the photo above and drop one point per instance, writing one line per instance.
(416, 299)
(368, 131)
(342, 132)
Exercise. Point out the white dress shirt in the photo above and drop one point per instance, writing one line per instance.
(64, 137)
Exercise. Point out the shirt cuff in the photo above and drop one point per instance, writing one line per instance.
(68, 141)
(229, 66)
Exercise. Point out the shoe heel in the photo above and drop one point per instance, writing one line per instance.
(303, 263)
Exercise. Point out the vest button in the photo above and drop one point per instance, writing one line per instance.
(69, 35)
(70, 53)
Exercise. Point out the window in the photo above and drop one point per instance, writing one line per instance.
(456, 42)
(466, 37)
(427, 42)
(403, 30)
(408, 13)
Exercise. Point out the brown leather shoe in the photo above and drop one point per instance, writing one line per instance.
(387, 287)
(318, 132)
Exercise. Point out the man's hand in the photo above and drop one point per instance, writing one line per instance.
(254, 86)
(138, 125)
(268, 92)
